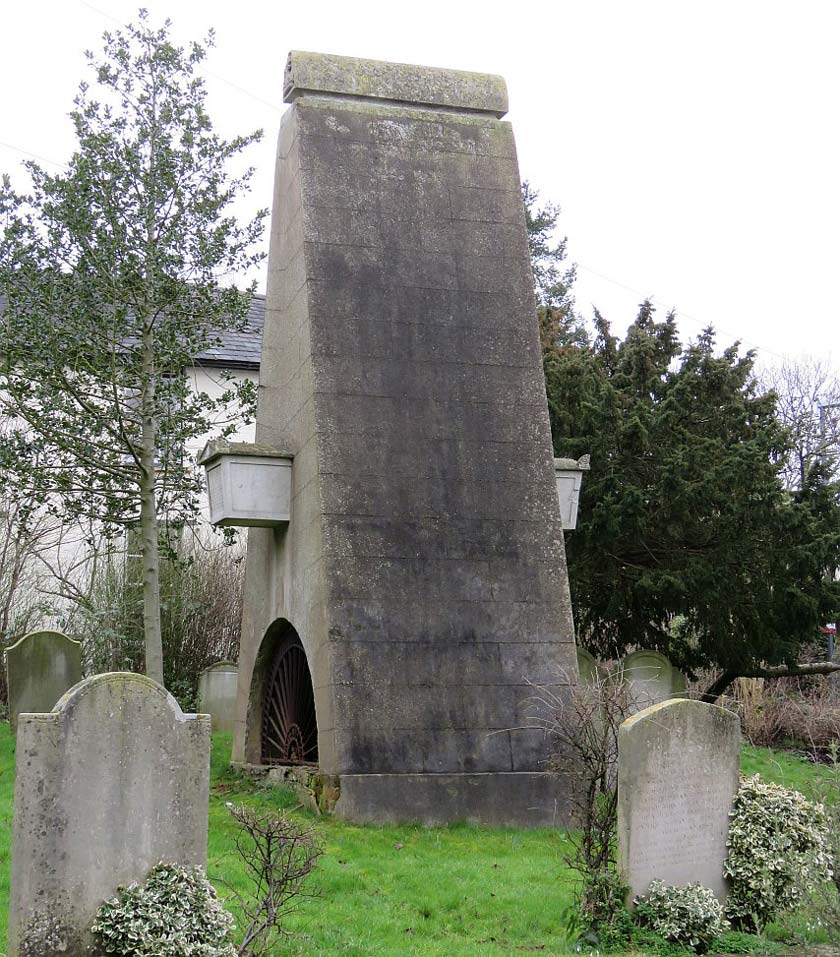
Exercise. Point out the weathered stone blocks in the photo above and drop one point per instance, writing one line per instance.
(112, 781)
(423, 567)
(677, 780)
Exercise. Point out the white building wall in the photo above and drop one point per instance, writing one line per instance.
(210, 381)
(64, 550)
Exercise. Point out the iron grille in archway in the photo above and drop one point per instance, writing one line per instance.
(289, 728)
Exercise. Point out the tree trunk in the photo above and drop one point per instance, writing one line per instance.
(717, 687)
(151, 581)
(148, 517)
(148, 506)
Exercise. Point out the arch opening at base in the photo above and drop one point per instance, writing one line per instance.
(288, 725)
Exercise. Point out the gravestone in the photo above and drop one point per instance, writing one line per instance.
(649, 678)
(589, 671)
(40, 668)
(677, 780)
(111, 782)
(217, 694)
(421, 581)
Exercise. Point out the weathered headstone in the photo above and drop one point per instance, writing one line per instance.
(40, 668)
(677, 780)
(421, 582)
(649, 678)
(217, 694)
(114, 780)
(589, 671)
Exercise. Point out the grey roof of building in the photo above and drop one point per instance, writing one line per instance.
(236, 350)
(239, 350)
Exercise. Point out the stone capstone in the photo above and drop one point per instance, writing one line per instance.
(324, 74)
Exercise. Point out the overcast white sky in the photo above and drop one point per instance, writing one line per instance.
(693, 146)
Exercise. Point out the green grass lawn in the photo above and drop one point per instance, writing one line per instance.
(457, 891)
(409, 890)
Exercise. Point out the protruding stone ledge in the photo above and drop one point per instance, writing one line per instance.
(322, 74)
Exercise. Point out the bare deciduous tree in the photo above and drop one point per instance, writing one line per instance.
(808, 404)
(584, 724)
(279, 856)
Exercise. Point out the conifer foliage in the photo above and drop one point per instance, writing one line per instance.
(687, 540)
(690, 540)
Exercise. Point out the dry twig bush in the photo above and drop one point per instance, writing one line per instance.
(279, 856)
(584, 725)
(784, 711)
(201, 612)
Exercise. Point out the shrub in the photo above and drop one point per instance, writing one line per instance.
(688, 915)
(778, 850)
(824, 902)
(174, 913)
(583, 726)
(279, 856)
(782, 711)
(603, 913)
(201, 610)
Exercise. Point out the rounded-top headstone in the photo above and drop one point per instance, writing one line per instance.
(40, 667)
(677, 781)
(588, 668)
(217, 694)
(650, 678)
(109, 783)
(225, 666)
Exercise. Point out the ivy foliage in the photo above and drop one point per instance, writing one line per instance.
(779, 850)
(173, 913)
(689, 915)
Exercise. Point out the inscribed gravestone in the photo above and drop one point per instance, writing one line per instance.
(217, 694)
(677, 779)
(110, 783)
(41, 667)
(650, 678)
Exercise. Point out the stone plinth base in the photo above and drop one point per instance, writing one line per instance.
(315, 790)
(501, 799)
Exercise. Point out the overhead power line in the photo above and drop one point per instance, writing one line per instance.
(18, 149)
(700, 323)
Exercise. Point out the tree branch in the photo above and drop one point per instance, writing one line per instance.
(720, 684)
